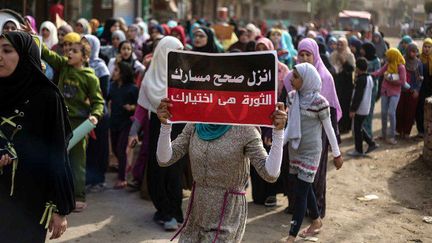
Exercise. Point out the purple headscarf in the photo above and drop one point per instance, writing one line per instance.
(328, 87)
(32, 22)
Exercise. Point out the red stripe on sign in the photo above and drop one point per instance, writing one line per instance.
(229, 107)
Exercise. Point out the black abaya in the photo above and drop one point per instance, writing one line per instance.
(43, 173)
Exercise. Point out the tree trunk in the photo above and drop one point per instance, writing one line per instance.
(427, 149)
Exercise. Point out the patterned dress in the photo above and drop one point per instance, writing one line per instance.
(305, 160)
(220, 169)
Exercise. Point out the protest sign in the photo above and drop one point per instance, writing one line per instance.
(231, 88)
(223, 32)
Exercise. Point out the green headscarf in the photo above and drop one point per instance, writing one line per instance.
(208, 132)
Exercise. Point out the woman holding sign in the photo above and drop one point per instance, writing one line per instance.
(219, 158)
(35, 174)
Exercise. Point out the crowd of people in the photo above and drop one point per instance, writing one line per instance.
(115, 74)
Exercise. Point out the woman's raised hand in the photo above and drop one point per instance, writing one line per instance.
(163, 111)
(279, 116)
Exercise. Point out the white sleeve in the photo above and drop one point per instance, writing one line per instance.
(331, 137)
(111, 65)
(164, 148)
(139, 67)
(274, 160)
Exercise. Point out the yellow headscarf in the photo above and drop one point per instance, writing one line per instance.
(394, 59)
(72, 37)
(276, 30)
(427, 59)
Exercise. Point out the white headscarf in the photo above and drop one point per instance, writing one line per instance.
(154, 84)
(303, 100)
(52, 39)
(17, 24)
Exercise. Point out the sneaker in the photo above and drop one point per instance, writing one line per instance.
(270, 201)
(355, 153)
(391, 141)
(372, 148)
(98, 188)
(171, 225)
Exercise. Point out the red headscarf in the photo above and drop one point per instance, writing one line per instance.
(167, 30)
(180, 30)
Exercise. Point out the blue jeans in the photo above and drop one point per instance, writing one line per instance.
(388, 109)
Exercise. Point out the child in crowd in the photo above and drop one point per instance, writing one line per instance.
(308, 113)
(394, 78)
(123, 97)
(360, 107)
(83, 97)
(127, 55)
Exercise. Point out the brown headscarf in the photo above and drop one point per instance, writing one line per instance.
(339, 58)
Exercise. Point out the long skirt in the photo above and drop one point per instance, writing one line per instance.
(406, 112)
(164, 183)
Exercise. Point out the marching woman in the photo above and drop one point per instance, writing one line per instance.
(426, 87)
(164, 184)
(309, 52)
(36, 186)
(262, 191)
(219, 156)
(343, 61)
(407, 106)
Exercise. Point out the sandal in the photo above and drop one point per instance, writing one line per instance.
(309, 233)
(120, 185)
(79, 206)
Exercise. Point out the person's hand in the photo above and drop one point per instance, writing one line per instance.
(338, 162)
(57, 226)
(27, 28)
(118, 58)
(129, 107)
(279, 116)
(132, 141)
(352, 114)
(415, 94)
(5, 160)
(93, 120)
(162, 111)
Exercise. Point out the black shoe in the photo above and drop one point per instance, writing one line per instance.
(158, 218)
(289, 210)
(372, 148)
(270, 201)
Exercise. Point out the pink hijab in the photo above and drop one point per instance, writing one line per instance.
(283, 69)
(328, 87)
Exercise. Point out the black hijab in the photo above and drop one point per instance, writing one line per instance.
(28, 76)
(210, 47)
(370, 51)
(16, 88)
(106, 34)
